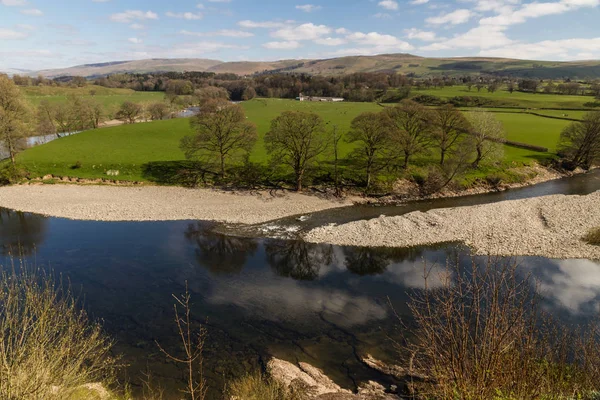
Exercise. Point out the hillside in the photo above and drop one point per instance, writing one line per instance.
(401, 63)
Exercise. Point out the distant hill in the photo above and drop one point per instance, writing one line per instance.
(402, 63)
(13, 71)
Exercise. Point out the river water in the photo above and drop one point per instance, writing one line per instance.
(322, 304)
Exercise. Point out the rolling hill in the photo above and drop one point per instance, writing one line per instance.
(401, 63)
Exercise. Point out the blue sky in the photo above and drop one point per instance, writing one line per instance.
(39, 34)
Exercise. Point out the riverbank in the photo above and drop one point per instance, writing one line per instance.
(549, 226)
(158, 203)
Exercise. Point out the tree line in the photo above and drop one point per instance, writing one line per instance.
(365, 86)
(383, 142)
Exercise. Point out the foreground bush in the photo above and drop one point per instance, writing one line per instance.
(48, 347)
(482, 334)
(257, 386)
(593, 237)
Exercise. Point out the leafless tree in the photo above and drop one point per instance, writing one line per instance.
(193, 347)
(158, 111)
(580, 141)
(129, 112)
(14, 116)
(410, 128)
(487, 137)
(222, 133)
(450, 126)
(296, 139)
(371, 133)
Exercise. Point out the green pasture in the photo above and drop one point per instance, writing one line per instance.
(128, 148)
(109, 98)
(504, 98)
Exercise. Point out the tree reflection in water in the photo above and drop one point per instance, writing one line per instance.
(375, 260)
(20, 233)
(297, 259)
(220, 254)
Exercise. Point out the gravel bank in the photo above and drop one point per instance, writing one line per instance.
(153, 203)
(550, 226)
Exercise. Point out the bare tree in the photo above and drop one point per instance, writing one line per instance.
(129, 112)
(46, 119)
(371, 132)
(14, 115)
(296, 139)
(222, 132)
(210, 93)
(580, 141)
(158, 111)
(193, 346)
(450, 126)
(410, 128)
(487, 136)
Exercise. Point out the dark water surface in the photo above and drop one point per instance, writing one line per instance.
(322, 304)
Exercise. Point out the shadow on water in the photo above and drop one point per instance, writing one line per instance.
(322, 304)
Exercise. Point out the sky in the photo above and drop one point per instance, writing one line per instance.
(41, 34)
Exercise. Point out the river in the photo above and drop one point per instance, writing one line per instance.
(265, 297)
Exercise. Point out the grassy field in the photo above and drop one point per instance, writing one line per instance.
(127, 148)
(109, 98)
(516, 99)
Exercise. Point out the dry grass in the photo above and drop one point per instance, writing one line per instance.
(256, 386)
(48, 346)
(483, 335)
(593, 237)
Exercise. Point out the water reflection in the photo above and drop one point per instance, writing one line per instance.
(317, 303)
(571, 284)
(20, 233)
(221, 254)
(297, 259)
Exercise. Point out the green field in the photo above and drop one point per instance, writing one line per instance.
(503, 98)
(109, 98)
(128, 147)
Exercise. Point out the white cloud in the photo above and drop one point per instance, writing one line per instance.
(137, 26)
(372, 43)
(379, 40)
(135, 40)
(389, 4)
(14, 3)
(454, 18)
(285, 45)
(507, 15)
(382, 15)
(263, 24)
(219, 1)
(329, 41)
(6, 34)
(419, 2)
(307, 31)
(481, 37)
(222, 32)
(33, 12)
(414, 33)
(308, 8)
(548, 49)
(185, 15)
(133, 15)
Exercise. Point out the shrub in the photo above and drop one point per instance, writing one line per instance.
(77, 165)
(48, 347)
(481, 334)
(257, 386)
(593, 237)
(428, 100)
(10, 173)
